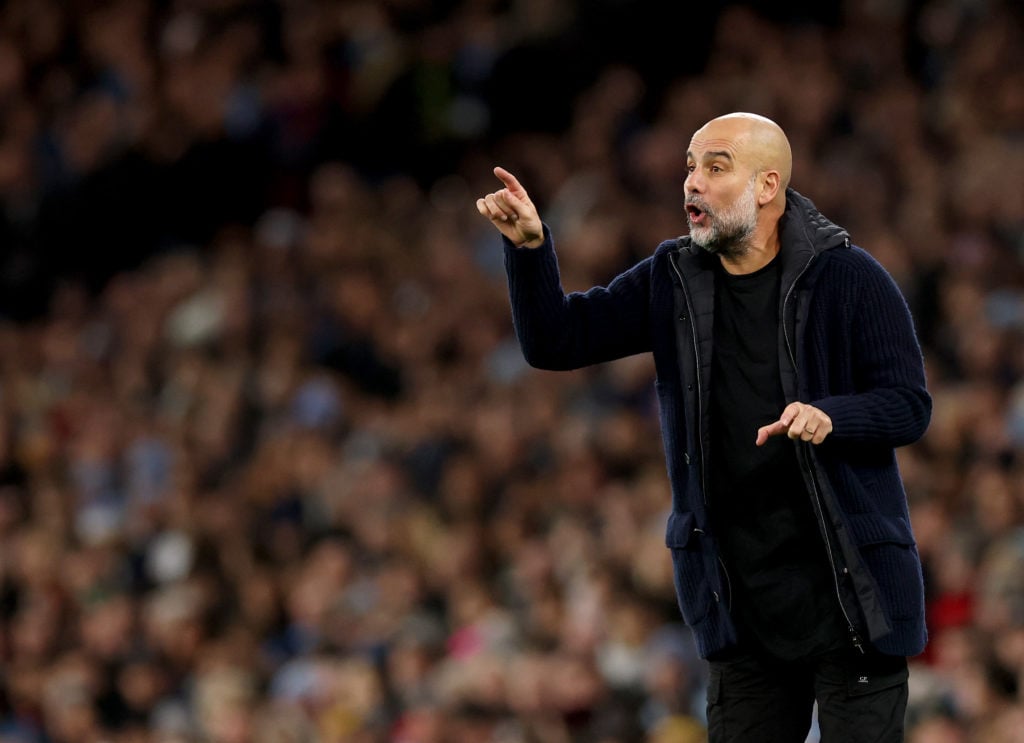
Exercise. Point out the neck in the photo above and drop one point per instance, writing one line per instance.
(763, 246)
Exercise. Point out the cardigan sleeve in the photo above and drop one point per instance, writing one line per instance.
(891, 403)
(559, 331)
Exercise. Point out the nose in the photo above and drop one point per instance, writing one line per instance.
(693, 183)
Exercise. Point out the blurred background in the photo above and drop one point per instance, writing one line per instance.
(272, 467)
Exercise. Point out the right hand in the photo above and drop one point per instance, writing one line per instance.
(512, 212)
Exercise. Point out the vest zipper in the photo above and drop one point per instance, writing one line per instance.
(700, 418)
(728, 583)
(819, 509)
(725, 574)
(696, 358)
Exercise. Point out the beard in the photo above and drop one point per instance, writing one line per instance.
(729, 230)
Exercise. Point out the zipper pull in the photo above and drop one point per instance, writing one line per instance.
(855, 639)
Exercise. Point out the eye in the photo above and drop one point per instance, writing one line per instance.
(690, 167)
(716, 168)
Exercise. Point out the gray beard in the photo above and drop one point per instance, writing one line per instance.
(731, 231)
(725, 247)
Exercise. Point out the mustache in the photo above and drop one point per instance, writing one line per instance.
(699, 203)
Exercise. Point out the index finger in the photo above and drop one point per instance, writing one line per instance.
(772, 429)
(510, 181)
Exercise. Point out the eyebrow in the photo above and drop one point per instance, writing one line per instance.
(724, 154)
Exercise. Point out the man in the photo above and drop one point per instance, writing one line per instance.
(787, 371)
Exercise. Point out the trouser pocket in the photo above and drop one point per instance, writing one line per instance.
(753, 701)
(862, 698)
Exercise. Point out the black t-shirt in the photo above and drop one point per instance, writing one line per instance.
(783, 596)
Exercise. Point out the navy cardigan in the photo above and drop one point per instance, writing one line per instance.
(847, 345)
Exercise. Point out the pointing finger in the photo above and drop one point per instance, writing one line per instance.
(510, 181)
(772, 429)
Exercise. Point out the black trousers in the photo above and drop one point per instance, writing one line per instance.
(862, 698)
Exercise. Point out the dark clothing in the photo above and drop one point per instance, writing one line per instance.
(746, 389)
(846, 345)
(861, 698)
(779, 588)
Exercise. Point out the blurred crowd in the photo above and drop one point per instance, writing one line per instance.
(272, 467)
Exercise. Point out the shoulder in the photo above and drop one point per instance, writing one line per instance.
(852, 277)
(666, 251)
(665, 247)
(853, 261)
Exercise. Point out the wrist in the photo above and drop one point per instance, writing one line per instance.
(532, 242)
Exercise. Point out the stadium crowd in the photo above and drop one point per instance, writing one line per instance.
(272, 467)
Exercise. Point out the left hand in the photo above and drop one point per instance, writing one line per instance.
(798, 421)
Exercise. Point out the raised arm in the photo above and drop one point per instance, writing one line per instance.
(555, 330)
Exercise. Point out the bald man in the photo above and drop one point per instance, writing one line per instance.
(788, 370)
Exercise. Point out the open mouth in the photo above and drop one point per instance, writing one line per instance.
(695, 214)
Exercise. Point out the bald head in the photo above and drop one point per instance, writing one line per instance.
(757, 141)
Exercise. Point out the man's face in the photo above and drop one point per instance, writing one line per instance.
(721, 193)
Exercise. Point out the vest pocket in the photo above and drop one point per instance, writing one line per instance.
(896, 568)
(693, 591)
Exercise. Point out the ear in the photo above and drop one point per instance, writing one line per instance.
(769, 188)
